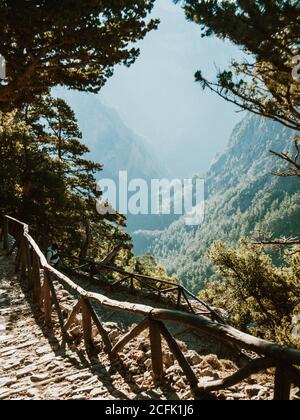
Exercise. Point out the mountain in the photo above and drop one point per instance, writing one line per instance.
(111, 142)
(117, 148)
(243, 199)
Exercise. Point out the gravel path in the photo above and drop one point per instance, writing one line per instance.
(36, 364)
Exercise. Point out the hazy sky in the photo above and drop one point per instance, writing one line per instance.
(158, 98)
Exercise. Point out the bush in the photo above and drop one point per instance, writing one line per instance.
(260, 298)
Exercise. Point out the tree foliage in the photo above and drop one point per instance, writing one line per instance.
(258, 296)
(268, 32)
(146, 265)
(243, 199)
(69, 43)
(48, 182)
(47, 179)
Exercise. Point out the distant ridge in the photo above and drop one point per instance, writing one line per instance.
(243, 199)
(118, 148)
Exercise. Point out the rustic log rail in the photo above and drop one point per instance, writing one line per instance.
(41, 278)
(142, 282)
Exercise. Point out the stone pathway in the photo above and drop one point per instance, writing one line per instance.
(36, 364)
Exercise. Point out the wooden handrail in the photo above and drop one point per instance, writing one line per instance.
(12, 219)
(31, 261)
(118, 270)
(129, 276)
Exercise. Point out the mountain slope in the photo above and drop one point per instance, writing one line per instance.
(111, 142)
(242, 199)
(117, 148)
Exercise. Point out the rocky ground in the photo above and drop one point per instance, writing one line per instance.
(36, 364)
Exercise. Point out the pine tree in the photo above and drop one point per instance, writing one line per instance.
(259, 297)
(54, 188)
(72, 43)
(268, 33)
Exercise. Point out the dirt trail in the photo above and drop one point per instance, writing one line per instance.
(36, 364)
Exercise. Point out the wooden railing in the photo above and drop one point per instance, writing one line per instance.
(139, 282)
(41, 279)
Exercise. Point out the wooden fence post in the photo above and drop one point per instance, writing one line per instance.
(72, 316)
(56, 303)
(282, 384)
(179, 297)
(23, 259)
(156, 350)
(36, 278)
(100, 328)
(87, 327)
(47, 299)
(29, 265)
(188, 371)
